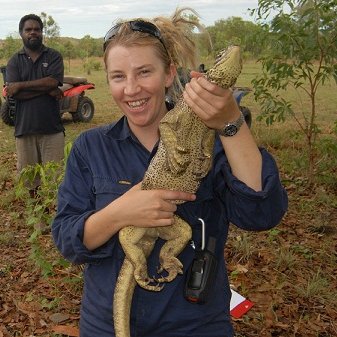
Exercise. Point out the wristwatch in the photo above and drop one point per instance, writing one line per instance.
(231, 128)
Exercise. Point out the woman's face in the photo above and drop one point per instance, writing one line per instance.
(137, 81)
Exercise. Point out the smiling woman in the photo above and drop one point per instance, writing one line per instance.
(107, 201)
(138, 81)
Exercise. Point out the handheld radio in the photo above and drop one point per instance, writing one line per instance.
(202, 272)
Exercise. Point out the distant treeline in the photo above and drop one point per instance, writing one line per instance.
(250, 36)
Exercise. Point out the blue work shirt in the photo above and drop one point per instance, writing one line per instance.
(106, 162)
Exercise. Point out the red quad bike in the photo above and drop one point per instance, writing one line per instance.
(73, 101)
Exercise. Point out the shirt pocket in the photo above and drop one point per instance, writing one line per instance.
(107, 190)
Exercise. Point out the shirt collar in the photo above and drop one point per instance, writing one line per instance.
(120, 130)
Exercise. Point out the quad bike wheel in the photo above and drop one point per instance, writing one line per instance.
(7, 115)
(85, 110)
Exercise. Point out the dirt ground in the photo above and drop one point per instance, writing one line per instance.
(289, 273)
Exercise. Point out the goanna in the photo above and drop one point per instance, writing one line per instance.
(183, 158)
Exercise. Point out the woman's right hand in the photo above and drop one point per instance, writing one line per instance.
(137, 207)
(148, 208)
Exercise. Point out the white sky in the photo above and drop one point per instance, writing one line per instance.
(77, 18)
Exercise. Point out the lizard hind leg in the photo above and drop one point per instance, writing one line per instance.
(142, 278)
(172, 266)
(151, 284)
(137, 244)
(177, 237)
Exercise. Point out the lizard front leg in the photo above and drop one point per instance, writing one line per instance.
(203, 161)
(176, 153)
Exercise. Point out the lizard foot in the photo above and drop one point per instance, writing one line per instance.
(173, 267)
(149, 284)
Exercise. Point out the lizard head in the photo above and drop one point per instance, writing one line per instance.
(227, 67)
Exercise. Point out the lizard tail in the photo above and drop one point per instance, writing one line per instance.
(122, 300)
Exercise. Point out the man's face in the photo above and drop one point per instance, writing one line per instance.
(32, 35)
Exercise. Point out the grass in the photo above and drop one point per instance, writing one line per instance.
(242, 248)
(316, 286)
(285, 259)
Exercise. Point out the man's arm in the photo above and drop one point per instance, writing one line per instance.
(29, 89)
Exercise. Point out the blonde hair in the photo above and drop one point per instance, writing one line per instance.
(177, 37)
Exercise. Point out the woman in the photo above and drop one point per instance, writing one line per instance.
(101, 190)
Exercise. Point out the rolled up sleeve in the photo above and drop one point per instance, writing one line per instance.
(251, 210)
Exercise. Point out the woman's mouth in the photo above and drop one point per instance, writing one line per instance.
(137, 104)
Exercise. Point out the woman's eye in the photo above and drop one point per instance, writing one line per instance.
(145, 71)
(116, 77)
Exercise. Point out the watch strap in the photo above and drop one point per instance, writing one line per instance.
(231, 128)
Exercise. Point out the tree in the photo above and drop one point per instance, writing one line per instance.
(9, 47)
(301, 57)
(251, 37)
(68, 51)
(225, 33)
(51, 30)
(87, 46)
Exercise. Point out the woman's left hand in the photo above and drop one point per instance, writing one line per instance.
(214, 105)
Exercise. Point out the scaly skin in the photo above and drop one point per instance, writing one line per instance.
(183, 158)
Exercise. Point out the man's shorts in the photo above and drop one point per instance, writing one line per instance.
(39, 149)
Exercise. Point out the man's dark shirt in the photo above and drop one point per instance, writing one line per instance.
(41, 114)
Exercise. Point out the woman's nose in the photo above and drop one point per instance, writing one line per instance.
(132, 87)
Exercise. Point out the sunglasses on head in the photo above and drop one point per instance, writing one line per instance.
(136, 26)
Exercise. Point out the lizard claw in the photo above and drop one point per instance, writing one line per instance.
(150, 284)
(173, 267)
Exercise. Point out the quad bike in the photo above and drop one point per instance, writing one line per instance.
(81, 107)
(73, 101)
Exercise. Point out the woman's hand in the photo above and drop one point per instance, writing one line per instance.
(148, 208)
(214, 105)
(137, 207)
(217, 107)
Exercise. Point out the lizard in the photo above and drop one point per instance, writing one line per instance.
(184, 156)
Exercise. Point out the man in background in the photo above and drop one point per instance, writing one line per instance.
(33, 75)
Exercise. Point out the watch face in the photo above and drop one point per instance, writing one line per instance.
(231, 130)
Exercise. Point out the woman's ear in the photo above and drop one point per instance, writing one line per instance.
(170, 76)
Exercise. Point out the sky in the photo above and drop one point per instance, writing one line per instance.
(77, 18)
